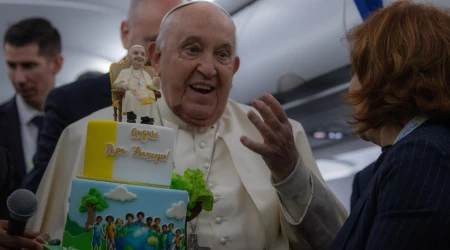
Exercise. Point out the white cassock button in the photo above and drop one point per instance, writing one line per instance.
(218, 220)
(223, 241)
(203, 145)
(206, 165)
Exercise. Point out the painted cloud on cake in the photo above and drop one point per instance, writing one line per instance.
(177, 210)
(120, 193)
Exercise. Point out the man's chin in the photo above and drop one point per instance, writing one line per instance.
(198, 118)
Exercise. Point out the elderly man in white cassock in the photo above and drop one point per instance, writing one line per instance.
(139, 96)
(269, 193)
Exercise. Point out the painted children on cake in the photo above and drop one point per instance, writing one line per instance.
(123, 237)
(110, 233)
(140, 99)
(97, 234)
(115, 228)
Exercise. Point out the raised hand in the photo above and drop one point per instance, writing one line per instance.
(278, 149)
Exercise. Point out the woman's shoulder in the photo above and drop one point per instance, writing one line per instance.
(429, 142)
(432, 134)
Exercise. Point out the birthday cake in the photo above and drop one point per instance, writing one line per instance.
(128, 197)
(123, 200)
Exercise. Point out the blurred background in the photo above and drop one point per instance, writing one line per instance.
(294, 49)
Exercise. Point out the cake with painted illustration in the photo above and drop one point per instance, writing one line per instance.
(128, 197)
(123, 198)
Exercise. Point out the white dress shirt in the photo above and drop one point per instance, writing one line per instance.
(28, 130)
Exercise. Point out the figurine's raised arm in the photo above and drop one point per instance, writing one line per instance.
(152, 85)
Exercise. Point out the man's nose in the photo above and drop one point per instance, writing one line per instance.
(18, 75)
(207, 67)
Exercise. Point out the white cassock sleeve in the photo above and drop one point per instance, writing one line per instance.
(307, 204)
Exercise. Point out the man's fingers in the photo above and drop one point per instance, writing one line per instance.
(268, 116)
(19, 242)
(275, 107)
(265, 131)
(254, 146)
(43, 238)
(29, 234)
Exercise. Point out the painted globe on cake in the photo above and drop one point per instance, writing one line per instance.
(132, 237)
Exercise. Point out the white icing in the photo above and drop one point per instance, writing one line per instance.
(156, 143)
(120, 193)
(177, 211)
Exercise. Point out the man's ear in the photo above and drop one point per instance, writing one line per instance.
(237, 63)
(154, 55)
(124, 33)
(57, 63)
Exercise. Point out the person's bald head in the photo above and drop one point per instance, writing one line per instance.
(144, 19)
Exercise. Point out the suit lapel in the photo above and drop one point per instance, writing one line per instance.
(346, 231)
(13, 138)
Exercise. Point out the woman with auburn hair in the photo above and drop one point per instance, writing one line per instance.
(400, 92)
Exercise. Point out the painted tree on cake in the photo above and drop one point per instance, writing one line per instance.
(90, 203)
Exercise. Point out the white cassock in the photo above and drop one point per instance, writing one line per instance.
(144, 104)
(250, 212)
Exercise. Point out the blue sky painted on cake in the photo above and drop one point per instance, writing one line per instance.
(138, 200)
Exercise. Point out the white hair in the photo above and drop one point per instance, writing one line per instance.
(136, 46)
(165, 24)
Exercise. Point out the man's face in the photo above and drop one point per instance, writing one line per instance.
(143, 28)
(31, 74)
(137, 57)
(197, 64)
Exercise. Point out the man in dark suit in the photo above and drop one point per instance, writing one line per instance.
(360, 182)
(33, 54)
(6, 181)
(69, 103)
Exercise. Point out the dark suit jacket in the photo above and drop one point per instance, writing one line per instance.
(406, 205)
(64, 106)
(7, 184)
(360, 182)
(11, 138)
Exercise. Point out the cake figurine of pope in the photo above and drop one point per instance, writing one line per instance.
(140, 98)
(128, 196)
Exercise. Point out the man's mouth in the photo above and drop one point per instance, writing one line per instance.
(204, 89)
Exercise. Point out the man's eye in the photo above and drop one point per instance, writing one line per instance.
(223, 54)
(192, 49)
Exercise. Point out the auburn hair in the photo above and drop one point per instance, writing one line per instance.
(401, 57)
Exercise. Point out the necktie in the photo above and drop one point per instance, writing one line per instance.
(38, 121)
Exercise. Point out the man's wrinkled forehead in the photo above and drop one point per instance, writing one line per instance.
(180, 6)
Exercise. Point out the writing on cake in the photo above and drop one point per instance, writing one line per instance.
(137, 152)
(144, 134)
(113, 150)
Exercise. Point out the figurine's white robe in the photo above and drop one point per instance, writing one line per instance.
(250, 212)
(132, 103)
